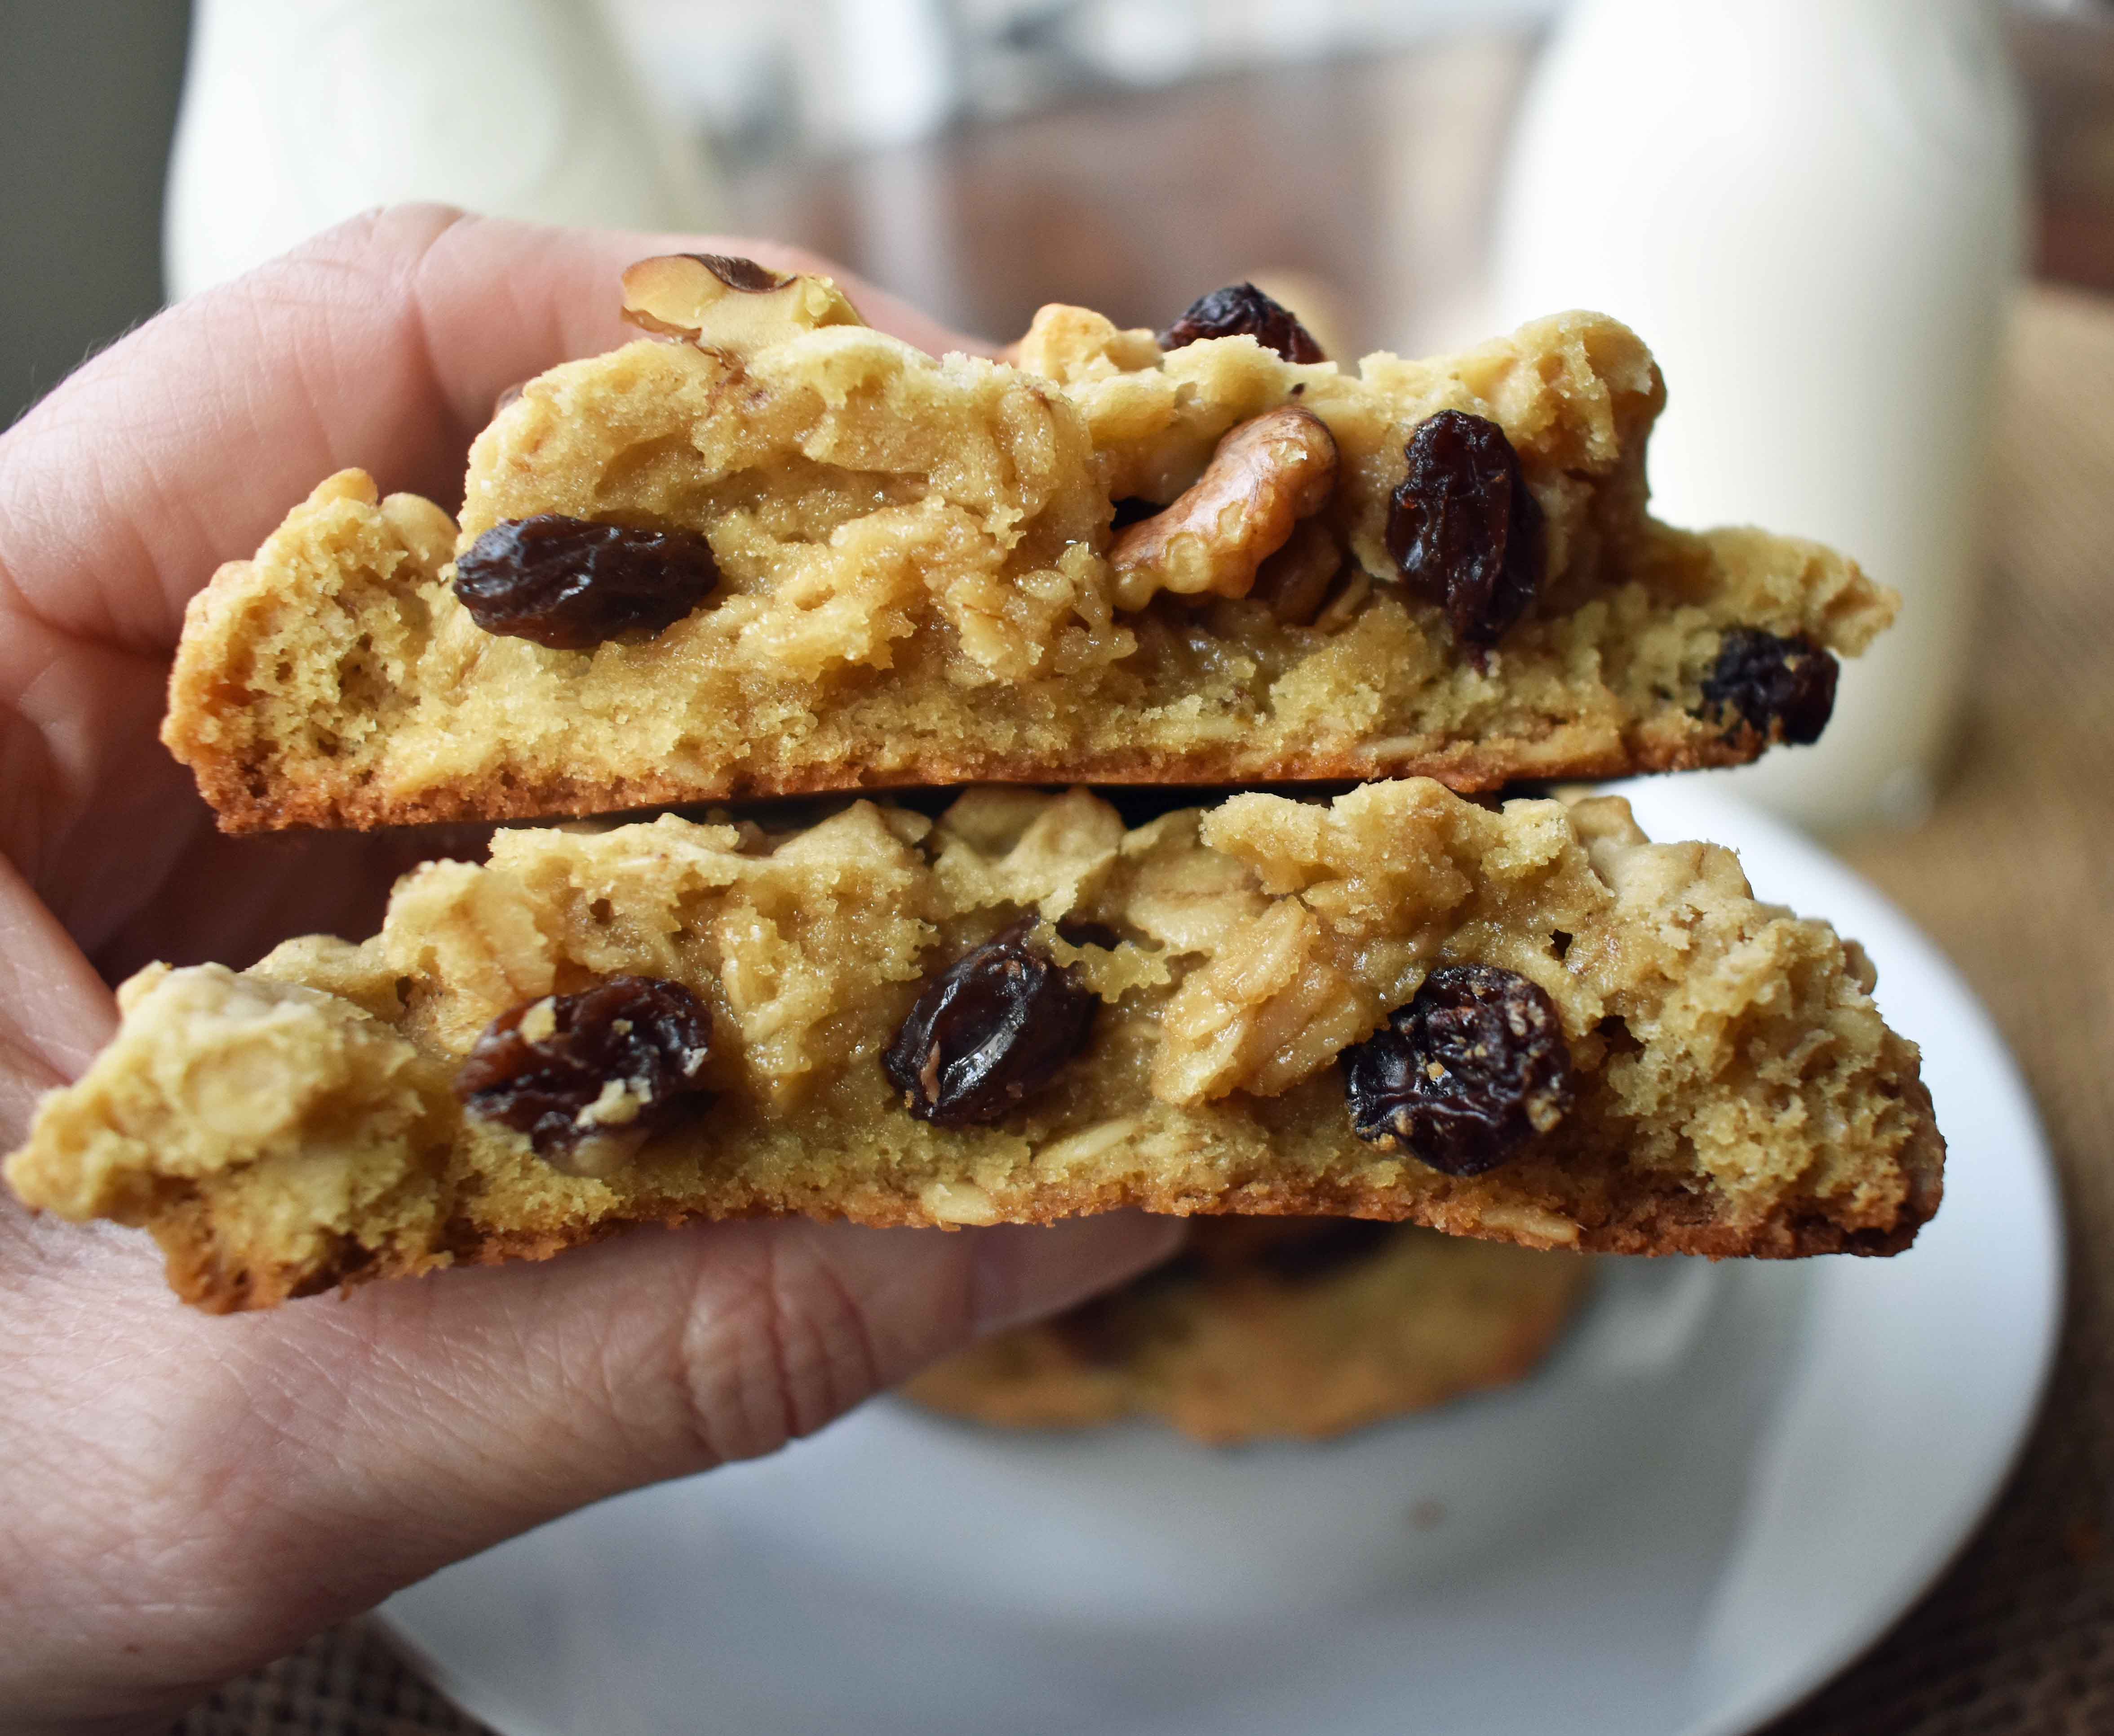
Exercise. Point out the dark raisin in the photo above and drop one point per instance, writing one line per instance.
(1473, 1068)
(651, 1036)
(1464, 528)
(571, 583)
(1762, 680)
(1133, 509)
(1242, 310)
(988, 1031)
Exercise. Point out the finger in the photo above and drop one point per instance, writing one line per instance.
(55, 1012)
(382, 343)
(257, 1477)
(663, 1354)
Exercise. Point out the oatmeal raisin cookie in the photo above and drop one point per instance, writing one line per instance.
(1528, 1024)
(1274, 1328)
(772, 550)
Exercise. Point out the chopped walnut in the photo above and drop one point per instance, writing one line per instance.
(1343, 608)
(1266, 476)
(1295, 581)
(719, 301)
(1069, 344)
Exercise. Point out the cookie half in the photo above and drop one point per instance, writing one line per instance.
(776, 552)
(1275, 1328)
(1528, 1024)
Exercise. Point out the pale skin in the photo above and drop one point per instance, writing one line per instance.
(187, 1496)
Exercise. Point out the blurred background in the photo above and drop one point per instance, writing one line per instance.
(979, 156)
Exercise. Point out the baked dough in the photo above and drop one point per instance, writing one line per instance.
(1733, 1088)
(1233, 1342)
(919, 584)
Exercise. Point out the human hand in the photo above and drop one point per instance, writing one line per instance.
(187, 1496)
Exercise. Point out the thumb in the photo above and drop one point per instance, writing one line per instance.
(495, 1401)
(308, 1461)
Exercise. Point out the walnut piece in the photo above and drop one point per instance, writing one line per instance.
(1295, 580)
(1266, 475)
(719, 301)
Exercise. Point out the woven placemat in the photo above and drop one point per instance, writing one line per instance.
(2014, 875)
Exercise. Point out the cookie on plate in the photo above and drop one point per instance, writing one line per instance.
(1265, 1328)
(776, 552)
(1527, 1023)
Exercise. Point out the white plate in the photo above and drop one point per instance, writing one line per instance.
(1726, 1484)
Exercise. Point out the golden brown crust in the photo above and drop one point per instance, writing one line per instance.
(247, 799)
(1631, 1214)
(1627, 1214)
(1649, 1222)
(1643, 1221)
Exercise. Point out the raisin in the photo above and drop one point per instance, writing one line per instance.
(988, 1031)
(571, 583)
(1242, 310)
(651, 1036)
(1762, 680)
(1464, 528)
(1473, 1068)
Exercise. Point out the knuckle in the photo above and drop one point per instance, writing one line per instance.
(771, 1352)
